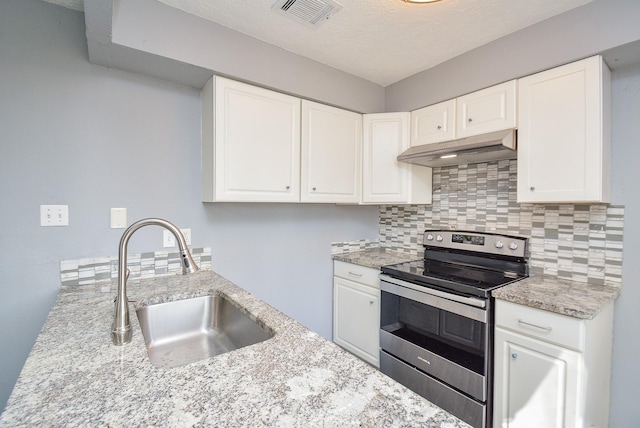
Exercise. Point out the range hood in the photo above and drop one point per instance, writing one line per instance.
(479, 148)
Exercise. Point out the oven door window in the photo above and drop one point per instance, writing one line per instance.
(454, 337)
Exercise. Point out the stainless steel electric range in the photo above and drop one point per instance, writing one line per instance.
(437, 318)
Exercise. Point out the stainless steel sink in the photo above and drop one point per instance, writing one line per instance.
(190, 330)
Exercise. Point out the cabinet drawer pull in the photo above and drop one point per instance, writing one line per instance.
(355, 274)
(439, 127)
(547, 329)
(371, 302)
(470, 120)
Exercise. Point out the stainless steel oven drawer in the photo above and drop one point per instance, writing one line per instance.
(443, 396)
(455, 375)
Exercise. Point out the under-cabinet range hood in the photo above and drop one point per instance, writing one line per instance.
(479, 148)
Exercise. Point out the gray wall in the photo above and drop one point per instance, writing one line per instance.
(579, 33)
(94, 138)
(595, 28)
(142, 24)
(625, 156)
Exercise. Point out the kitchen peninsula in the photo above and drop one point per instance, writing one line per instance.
(74, 376)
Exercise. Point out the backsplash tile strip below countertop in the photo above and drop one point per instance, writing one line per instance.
(144, 265)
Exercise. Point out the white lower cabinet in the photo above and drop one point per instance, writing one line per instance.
(541, 380)
(551, 370)
(356, 310)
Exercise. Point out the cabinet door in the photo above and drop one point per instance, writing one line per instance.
(331, 154)
(536, 383)
(384, 179)
(434, 123)
(563, 138)
(356, 319)
(252, 153)
(487, 110)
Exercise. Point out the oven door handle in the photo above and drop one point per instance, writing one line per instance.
(469, 307)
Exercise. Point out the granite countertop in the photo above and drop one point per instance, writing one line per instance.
(376, 257)
(74, 376)
(575, 299)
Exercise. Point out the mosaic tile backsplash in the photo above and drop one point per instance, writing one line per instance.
(576, 242)
(145, 265)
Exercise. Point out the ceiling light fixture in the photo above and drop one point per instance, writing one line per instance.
(420, 1)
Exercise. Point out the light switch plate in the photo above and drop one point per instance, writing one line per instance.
(118, 218)
(54, 215)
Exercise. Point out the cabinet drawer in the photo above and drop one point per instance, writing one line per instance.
(547, 326)
(361, 274)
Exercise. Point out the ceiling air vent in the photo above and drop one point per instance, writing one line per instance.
(311, 13)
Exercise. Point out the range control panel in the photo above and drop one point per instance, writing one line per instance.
(467, 239)
(488, 243)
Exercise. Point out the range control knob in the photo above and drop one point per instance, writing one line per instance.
(439, 238)
(513, 246)
(429, 237)
(499, 244)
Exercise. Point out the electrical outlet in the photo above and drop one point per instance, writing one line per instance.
(54, 215)
(187, 235)
(168, 240)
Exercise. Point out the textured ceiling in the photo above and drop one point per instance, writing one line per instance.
(382, 41)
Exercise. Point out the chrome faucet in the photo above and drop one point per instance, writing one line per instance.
(121, 327)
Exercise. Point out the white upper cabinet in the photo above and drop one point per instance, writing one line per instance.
(331, 154)
(481, 112)
(564, 134)
(384, 179)
(250, 143)
(433, 124)
(488, 110)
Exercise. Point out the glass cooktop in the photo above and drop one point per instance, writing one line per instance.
(465, 280)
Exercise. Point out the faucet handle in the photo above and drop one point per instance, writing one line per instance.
(128, 300)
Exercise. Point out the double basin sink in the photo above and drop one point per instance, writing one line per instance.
(185, 331)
